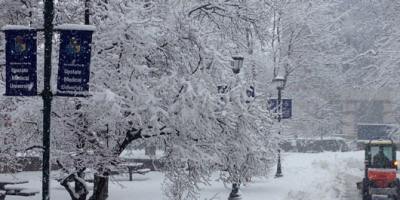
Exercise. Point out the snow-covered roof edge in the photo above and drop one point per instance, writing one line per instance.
(78, 27)
(16, 27)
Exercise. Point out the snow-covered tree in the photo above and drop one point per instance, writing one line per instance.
(306, 49)
(155, 72)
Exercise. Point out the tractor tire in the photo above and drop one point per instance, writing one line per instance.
(366, 197)
(365, 190)
(396, 197)
(397, 186)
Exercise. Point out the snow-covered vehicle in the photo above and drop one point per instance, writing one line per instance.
(380, 181)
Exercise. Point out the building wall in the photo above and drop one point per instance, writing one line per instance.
(366, 106)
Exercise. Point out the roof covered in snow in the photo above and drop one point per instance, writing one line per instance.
(381, 142)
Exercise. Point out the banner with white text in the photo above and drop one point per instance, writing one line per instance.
(74, 63)
(21, 78)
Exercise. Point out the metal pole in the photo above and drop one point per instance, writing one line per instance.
(235, 195)
(87, 12)
(279, 168)
(47, 96)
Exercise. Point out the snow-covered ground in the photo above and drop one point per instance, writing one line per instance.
(311, 176)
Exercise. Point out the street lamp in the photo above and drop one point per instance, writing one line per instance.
(237, 64)
(279, 82)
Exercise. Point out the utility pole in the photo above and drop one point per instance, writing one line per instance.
(47, 95)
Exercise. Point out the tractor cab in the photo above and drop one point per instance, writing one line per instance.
(380, 181)
(380, 154)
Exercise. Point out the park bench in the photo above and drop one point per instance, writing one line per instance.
(20, 191)
(135, 168)
(7, 188)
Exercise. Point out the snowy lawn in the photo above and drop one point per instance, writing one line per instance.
(319, 176)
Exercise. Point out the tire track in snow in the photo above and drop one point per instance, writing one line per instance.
(350, 189)
(347, 177)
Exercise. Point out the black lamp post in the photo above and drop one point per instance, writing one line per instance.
(87, 12)
(237, 64)
(47, 96)
(279, 81)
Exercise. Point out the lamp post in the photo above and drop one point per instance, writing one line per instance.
(237, 64)
(47, 96)
(87, 12)
(279, 82)
(27, 62)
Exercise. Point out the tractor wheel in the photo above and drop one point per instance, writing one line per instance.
(365, 190)
(397, 186)
(366, 197)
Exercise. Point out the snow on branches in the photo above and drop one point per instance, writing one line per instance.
(155, 72)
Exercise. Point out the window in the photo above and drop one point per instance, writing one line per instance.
(379, 161)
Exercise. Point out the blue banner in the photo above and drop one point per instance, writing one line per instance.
(286, 107)
(21, 62)
(74, 62)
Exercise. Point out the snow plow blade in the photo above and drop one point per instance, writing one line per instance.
(359, 185)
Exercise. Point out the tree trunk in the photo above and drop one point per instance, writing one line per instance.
(100, 188)
(79, 192)
(80, 187)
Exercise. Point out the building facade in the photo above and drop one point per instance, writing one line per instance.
(367, 110)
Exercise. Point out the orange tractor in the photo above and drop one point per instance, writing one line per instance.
(380, 181)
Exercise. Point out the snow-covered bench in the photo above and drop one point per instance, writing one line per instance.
(7, 187)
(135, 168)
(19, 191)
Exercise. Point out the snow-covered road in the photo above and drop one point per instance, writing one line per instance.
(324, 176)
(319, 176)
(349, 192)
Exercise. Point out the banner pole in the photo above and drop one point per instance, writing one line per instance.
(47, 96)
(87, 12)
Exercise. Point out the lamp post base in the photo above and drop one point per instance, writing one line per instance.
(234, 195)
(278, 175)
(279, 167)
